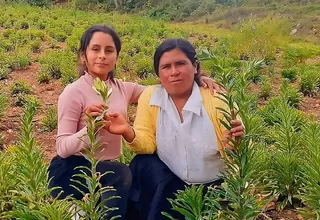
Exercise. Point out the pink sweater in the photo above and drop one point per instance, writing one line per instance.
(73, 102)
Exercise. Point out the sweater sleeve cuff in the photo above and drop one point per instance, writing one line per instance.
(82, 135)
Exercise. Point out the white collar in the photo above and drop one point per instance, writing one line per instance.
(161, 98)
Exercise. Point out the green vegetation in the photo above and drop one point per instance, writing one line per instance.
(26, 195)
(267, 72)
(3, 103)
(50, 121)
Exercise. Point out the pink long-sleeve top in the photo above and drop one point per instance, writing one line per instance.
(72, 104)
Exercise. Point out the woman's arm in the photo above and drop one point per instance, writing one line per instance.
(141, 138)
(68, 141)
(133, 91)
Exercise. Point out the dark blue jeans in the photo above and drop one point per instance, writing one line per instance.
(61, 170)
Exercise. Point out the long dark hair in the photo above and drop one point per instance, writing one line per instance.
(85, 40)
(176, 43)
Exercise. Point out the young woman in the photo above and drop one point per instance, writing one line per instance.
(177, 131)
(98, 54)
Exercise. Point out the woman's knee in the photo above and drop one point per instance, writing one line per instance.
(121, 174)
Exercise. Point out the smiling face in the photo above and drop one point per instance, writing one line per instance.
(100, 56)
(176, 73)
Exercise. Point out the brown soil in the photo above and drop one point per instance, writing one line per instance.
(311, 106)
(284, 215)
(47, 94)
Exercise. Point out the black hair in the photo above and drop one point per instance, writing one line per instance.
(85, 40)
(176, 43)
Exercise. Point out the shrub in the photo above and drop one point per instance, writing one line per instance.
(60, 64)
(50, 121)
(22, 60)
(308, 84)
(4, 72)
(311, 172)
(287, 155)
(24, 25)
(36, 34)
(40, 3)
(291, 94)
(289, 74)
(58, 35)
(35, 46)
(143, 68)
(298, 52)
(270, 118)
(43, 77)
(3, 103)
(7, 45)
(266, 89)
(21, 100)
(20, 87)
(29, 191)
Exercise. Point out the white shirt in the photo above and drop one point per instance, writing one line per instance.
(189, 149)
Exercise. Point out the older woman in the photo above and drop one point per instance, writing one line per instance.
(177, 133)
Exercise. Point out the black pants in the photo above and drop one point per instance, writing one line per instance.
(61, 170)
(152, 184)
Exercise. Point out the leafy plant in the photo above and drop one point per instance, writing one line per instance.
(144, 68)
(292, 95)
(311, 172)
(7, 180)
(36, 46)
(289, 74)
(286, 155)
(266, 89)
(308, 84)
(31, 197)
(20, 87)
(195, 204)
(50, 121)
(22, 99)
(4, 72)
(43, 77)
(92, 203)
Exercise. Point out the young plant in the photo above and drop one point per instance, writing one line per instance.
(311, 172)
(308, 84)
(289, 74)
(291, 95)
(20, 87)
(242, 180)
(287, 155)
(92, 204)
(50, 121)
(31, 198)
(195, 204)
(266, 89)
(3, 103)
(8, 180)
(4, 72)
(44, 77)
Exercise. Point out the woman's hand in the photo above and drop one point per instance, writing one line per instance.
(95, 110)
(115, 123)
(211, 84)
(237, 131)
